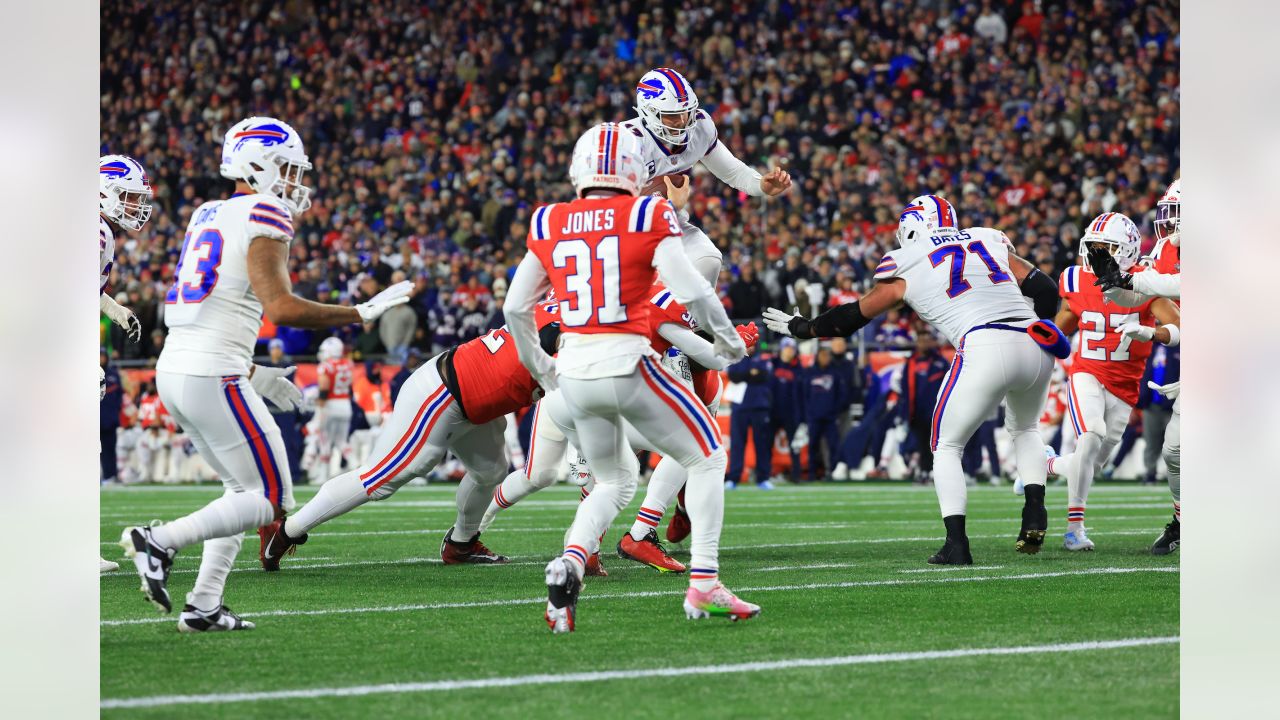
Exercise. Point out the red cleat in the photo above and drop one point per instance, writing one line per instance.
(678, 528)
(275, 544)
(595, 568)
(649, 552)
(473, 552)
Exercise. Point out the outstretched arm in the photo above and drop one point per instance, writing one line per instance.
(269, 278)
(843, 320)
(695, 293)
(738, 175)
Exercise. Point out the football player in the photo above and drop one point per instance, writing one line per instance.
(457, 401)
(967, 284)
(674, 136)
(233, 270)
(1107, 367)
(599, 253)
(333, 410)
(1162, 279)
(124, 198)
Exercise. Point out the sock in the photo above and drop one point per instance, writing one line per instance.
(1083, 467)
(472, 499)
(955, 528)
(230, 514)
(577, 557)
(647, 520)
(705, 495)
(948, 480)
(1177, 512)
(338, 496)
(215, 564)
(666, 484)
(1034, 513)
(1075, 518)
(514, 488)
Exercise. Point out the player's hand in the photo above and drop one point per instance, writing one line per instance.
(125, 318)
(1170, 390)
(274, 384)
(793, 324)
(102, 383)
(678, 194)
(1137, 331)
(750, 335)
(397, 294)
(1114, 278)
(775, 182)
(731, 349)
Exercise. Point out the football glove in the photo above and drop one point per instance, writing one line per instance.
(1137, 331)
(397, 294)
(274, 384)
(750, 335)
(793, 324)
(1170, 391)
(121, 316)
(1114, 278)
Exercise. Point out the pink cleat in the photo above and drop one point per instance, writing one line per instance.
(717, 601)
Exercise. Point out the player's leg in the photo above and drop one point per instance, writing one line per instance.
(1087, 413)
(1033, 369)
(1171, 538)
(678, 426)
(641, 542)
(703, 253)
(481, 450)
(546, 452)
(970, 392)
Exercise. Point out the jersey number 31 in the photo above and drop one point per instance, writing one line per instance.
(598, 293)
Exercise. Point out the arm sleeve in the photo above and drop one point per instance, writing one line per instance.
(731, 170)
(529, 284)
(840, 321)
(690, 289)
(549, 338)
(1152, 283)
(688, 342)
(1043, 293)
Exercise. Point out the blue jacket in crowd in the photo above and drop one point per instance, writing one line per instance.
(756, 372)
(921, 379)
(786, 387)
(825, 391)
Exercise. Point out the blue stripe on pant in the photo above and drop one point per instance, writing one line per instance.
(757, 421)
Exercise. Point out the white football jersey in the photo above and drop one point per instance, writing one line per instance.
(662, 161)
(211, 310)
(958, 282)
(107, 251)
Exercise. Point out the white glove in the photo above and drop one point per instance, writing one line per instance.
(1170, 391)
(121, 316)
(274, 384)
(731, 350)
(1138, 331)
(779, 321)
(801, 439)
(397, 294)
(102, 383)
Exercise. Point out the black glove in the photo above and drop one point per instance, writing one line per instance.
(1113, 278)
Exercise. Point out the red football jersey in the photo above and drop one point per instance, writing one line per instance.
(340, 377)
(598, 253)
(1117, 361)
(663, 308)
(1167, 262)
(491, 379)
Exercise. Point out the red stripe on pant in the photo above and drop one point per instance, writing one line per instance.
(404, 438)
(690, 423)
(422, 442)
(257, 443)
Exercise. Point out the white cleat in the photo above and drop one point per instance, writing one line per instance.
(106, 566)
(1018, 488)
(840, 473)
(1077, 541)
(220, 619)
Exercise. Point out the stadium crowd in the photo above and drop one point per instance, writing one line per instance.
(435, 129)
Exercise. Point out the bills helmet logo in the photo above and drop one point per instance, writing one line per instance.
(114, 170)
(912, 211)
(649, 89)
(266, 135)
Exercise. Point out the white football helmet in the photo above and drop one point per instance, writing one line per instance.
(664, 92)
(1169, 214)
(912, 227)
(267, 153)
(123, 191)
(331, 349)
(938, 214)
(608, 156)
(1118, 233)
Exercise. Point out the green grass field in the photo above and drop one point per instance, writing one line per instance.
(365, 622)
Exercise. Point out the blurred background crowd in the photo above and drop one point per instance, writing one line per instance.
(436, 128)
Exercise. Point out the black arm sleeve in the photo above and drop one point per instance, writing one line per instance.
(1043, 293)
(840, 321)
(549, 338)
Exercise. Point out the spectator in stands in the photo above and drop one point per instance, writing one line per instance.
(922, 378)
(784, 393)
(824, 397)
(109, 418)
(747, 295)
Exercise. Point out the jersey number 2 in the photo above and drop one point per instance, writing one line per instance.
(956, 255)
(194, 284)
(593, 293)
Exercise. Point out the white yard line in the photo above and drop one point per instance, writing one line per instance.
(818, 566)
(668, 593)
(631, 673)
(952, 568)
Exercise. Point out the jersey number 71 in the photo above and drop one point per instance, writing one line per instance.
(956, 255)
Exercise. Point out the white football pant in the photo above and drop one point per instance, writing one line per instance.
(1098, 419)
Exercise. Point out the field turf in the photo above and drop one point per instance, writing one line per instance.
(365, 622)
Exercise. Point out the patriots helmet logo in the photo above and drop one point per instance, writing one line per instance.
(266, 135)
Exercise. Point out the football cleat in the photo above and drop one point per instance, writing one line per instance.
(595, 568)
(1035, 524)
(1017, 486)
(1077, 541)
(152, 562)
(764, 485)
(473, 552)
(648, 552)
(219, 619)
(1169, 540)
(730, 485)
(678, 527)
(1029, 541)
(952, 553)
(717, 602)
(275, 544)
(563, 586)
(106, 566)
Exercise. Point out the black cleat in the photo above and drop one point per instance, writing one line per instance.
(473, 552)
(152, 563)
(563, 586)
(953, 552)
(275, 544)
(220, 619)
(1169, 539)
(1035, 521)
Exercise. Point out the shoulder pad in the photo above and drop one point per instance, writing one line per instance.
(268, 217)
(540, 223)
